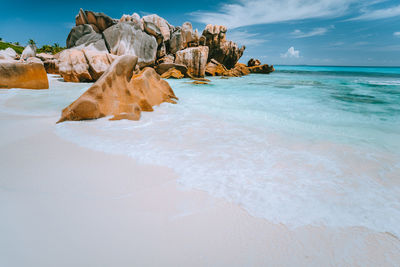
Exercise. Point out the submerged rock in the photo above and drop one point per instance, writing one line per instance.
(28, 75)
(195, 59)
(121, 92)
(264, 69)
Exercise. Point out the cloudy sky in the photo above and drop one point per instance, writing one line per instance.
(315, 32)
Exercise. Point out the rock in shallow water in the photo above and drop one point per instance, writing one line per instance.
(195, 58)
(121, 93)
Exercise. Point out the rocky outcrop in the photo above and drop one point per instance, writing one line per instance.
(121, 93)
(98, 21)
(29, 51)
(50, 63)
(226, 52)
(253, 62)
(263, 69)
(172, 73)
(157, 27)
(8, 54)
(214, 68)
(126, 39)
(195, 59)
(17, 74)
(82, 35)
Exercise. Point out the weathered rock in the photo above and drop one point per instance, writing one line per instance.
(98, 62)
(73, 66)
(214, 68)
(134, 18)
(172, 73)
(226, 52)
(29, 51)
(28, 75)
(82, 35)
(124, 39)
(253, 62)
(121, 93)
(166, 59)
(50, 62)
(98, 20)
(195, 59)
(264, 69)
(164, 67)
(8, 54)
(239, 70)
(157, 27)
(183, 37)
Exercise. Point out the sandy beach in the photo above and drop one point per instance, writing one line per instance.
(65, 205)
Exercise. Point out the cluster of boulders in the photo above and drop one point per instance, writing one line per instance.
(97, 39)
(25, 71)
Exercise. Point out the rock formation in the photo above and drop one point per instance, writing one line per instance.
(172, 73)
(121, 93)
(226, 52)
(18, 74)
(253, 62)
(8, 54)
(263, 69)
(154, 41)
(50, 62)
(195, 58)
(29, 51)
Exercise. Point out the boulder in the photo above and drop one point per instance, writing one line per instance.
(226, 52)
(8, 54)
(125, 39)
(195, 59)
(239, 70)
(134, 18)
(18, 74)
(99, 21)
(50, 62)
(166, 59)
(82, 35)
(164, 67)
(73, 66)
(172, 73)
(157, 27)
(29, 51)
(121, 93)
(253, 62)
(263, 69)
(214, 68)
(98, 62)
(183, 37)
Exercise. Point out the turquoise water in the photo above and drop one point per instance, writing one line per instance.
(301, 146)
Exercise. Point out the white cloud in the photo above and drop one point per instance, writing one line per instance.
(396, 34)
(314, 32)
(245, 38)
(251, 12)
(379, 13)
(291, 53)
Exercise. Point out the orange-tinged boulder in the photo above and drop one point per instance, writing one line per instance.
(214, 68)
(73, 66)
(28, 75)
(121, 93)
(172, 73)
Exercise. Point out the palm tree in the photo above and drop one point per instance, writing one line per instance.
(31, 42)
(1, 39)
(16, 43)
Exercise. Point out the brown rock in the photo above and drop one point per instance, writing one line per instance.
(214, 68)
(172, 73)
(195, 59)
(226, 52)
(99, 20)
(253, 62)
(98, 62)
(164, 67)
(157, 27)
(199, 82)
(264, 69)
(50, 63)
(28, 75)
(121, 93)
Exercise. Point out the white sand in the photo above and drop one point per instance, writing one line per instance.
(63, 205)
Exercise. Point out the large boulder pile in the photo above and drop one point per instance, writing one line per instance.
(29, 74)
(151, 39)
(122, 91)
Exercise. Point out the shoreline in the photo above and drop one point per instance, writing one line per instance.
(73, 206)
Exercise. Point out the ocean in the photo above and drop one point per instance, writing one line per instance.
(304, 145)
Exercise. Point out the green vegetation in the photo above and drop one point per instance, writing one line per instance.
(51, 49)
(17, 48)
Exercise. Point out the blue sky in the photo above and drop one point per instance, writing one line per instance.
(315, 32)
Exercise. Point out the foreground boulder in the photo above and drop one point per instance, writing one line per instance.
(121, 93)
(28, 75)
(195, 59)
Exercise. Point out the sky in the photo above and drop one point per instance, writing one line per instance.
(295, 32)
